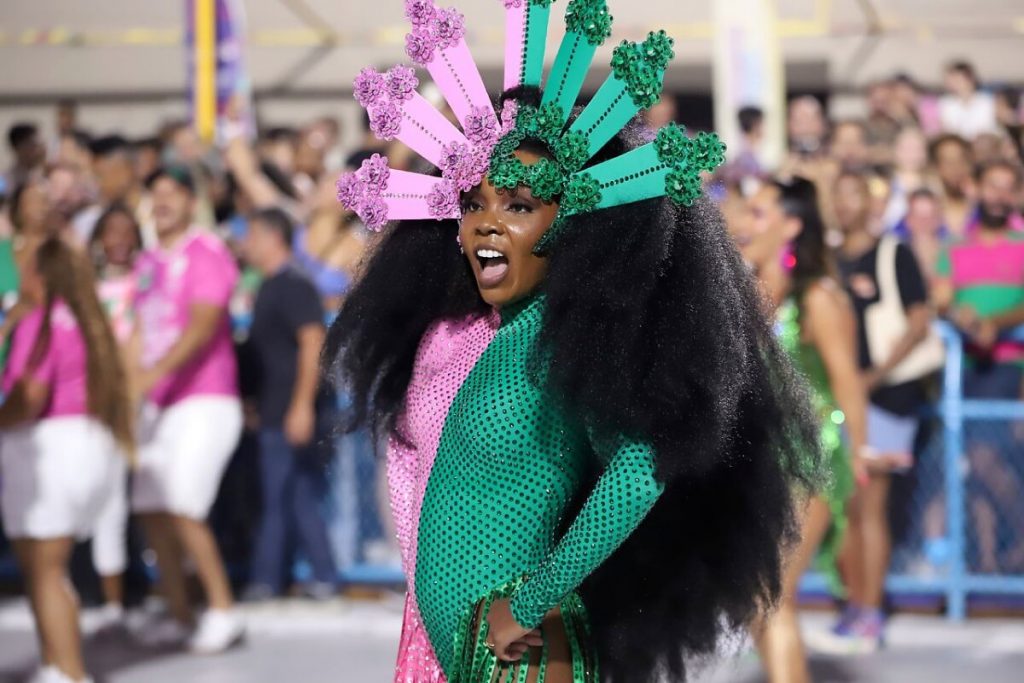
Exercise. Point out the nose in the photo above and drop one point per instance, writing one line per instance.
(489, 224)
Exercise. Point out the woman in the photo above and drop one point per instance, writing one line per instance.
(65, 418)
(909, 173)
(551, 560)
(782, 238)
(114, 244)
(893, 405)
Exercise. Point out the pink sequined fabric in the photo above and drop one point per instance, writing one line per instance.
(447, 353)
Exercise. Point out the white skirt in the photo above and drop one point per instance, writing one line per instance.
(55, 477)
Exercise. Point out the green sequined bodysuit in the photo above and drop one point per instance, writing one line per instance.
(511, 461)
(809, 362)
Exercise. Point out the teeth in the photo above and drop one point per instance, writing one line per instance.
(488, 253)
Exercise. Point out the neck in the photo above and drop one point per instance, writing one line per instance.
(274, 264)
(857, 241)
(989, 234)
(777, 282)
(170, 238)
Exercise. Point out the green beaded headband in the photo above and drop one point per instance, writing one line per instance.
(669, 166)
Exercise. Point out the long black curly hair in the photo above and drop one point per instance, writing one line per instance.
(654, 329)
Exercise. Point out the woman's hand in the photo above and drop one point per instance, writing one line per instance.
(506, 638)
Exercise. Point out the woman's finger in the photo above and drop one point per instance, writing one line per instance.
(530, 640)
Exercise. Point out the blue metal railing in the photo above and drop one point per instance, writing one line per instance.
(954, 410)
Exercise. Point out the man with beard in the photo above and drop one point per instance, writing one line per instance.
(980, 287)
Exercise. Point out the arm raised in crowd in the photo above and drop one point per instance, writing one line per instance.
(245, 167)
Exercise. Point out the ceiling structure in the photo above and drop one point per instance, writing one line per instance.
(113, 49)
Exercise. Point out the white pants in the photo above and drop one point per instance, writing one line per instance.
(183, 452)
(110, 537)
(55, 477)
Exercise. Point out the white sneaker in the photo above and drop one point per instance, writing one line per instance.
(218, 630)
(51, 674)
(107, 619)
(164, 632)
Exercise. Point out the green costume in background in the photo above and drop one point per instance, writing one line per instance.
(9, 284)
(511, 466)
(809, 362)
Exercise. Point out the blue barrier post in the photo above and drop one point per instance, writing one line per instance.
(953, 424)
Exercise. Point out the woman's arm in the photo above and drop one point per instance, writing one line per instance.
(624, 494)
(833, 332)
(25, 403)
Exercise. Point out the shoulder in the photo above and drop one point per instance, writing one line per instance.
(826, 300)
(207, 245)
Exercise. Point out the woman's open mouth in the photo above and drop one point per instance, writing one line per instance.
(493, 267)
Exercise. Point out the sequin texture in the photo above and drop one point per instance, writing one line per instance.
(447, 352)
(510, 464)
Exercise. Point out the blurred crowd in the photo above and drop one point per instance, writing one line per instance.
(196, 248)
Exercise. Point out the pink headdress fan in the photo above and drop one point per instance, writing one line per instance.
(397, 111)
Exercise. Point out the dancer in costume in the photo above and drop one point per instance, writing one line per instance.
(782, 237)
(617, 474)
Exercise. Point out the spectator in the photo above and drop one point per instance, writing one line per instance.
(65, 120)
(75, 150)
(116, 181)
(286, 335)
(746, 162)
(923, 230)
(148, 154)
(193, 418)
(66, 117)
(918, 108)
(848, 146)
(882, 127)
(909, 173)
(65, 417)
(663, 112)
(114, 245)
(806, 126)
(29, 153)
(278, 146)
(983, 308)
(965, 110)
(68, 190)
(953, 161)
(876, 271)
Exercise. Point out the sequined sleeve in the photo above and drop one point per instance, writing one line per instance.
(624, 494)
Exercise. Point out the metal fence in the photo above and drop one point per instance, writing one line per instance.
(936, 545)
(935, 549)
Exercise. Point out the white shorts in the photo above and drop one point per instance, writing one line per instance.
(892, 435)
(56, 476)
(110, 534)
(183, 452)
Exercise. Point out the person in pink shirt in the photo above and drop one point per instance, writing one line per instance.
(66, 421)
(192, 417)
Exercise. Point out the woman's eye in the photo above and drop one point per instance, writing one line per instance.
(520, 207)
(470, 205)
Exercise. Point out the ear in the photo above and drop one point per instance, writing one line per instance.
(791, 227)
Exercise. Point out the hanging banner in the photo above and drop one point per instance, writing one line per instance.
(219, 87)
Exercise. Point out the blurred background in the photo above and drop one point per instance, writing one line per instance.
(913, 96)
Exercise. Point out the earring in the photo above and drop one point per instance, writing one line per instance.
(788, 258)
(458, 240)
